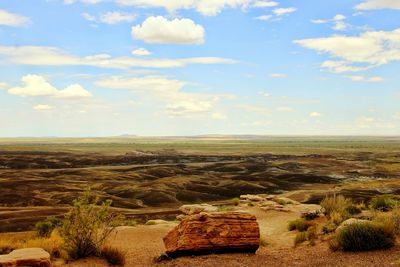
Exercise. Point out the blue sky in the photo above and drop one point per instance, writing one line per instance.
(186, 67)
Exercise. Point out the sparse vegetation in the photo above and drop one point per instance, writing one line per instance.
(300, 238)
(364, 236)
(87, 226)
(299, 224)
(113, 256)
(46, 227)
(224, 208)
(336, 205)
(383, 203)
(263, 241)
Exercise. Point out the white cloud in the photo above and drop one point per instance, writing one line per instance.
(278, 75)
(141, 52)
(36, 85)
(379, 4)
(168, 91)
(157, 84)
(263, 17)
(159, 30)
(338, 22)
(3, 85)
(51, 56)
(357, 53)
(42, 107)
(116, 17)
(205, 7)
(284, 11)
(11, 19)
(262, 4)
(87, 2)
(88, 17)
(264, 94)
(359, 78)
(373, 123)
(218, 116)
(315, 114)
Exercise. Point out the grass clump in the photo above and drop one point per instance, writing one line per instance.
(299, 224)
(383, 203)
(87, 226)
(336, 204)
(300, 237)
(113, 256)
(46, 227)
(363, 236)
(224, 208)
(263, 241)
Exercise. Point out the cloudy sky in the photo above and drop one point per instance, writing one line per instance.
(186, 67)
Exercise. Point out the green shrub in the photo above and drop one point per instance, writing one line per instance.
(336, 204)
(383, 203)
(44, 228)
(299, 224)
(235, 201)
(86, 227)
(329, 227)
(364, 236)
(113, 256)
(224, 208)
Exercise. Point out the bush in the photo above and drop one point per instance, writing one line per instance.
(383, 203)
(87, 226)
(46, 227)
(329, 227)
(364, 236)
(113, 256)
(299, 224)
(54, 245)
(336, 204)
(310, 215)
(235, 201)
(353, 210)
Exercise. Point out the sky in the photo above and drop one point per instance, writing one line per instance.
(72, 68)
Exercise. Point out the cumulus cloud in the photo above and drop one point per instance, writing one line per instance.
(36, 85)
(359, 78)
(51, 56)
(141, 52)
(284, 10)
(42, 107)
(357, 53)
(11, 19)
(379, 4)
(159, 30)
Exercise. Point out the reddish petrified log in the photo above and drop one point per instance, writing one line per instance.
(219, 232)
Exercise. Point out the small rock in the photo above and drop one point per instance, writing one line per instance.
(197, 208)
(33, 257)
(255, 198)
(349, 222)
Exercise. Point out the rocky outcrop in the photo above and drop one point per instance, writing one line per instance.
(32, 257)
(217, 232)
(197, 208)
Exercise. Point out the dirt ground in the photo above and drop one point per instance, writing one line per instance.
(142, 244)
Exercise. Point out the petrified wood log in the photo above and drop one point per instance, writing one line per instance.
(32, 257)
(219, 232)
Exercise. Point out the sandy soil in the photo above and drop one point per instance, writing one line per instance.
(142, 244)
